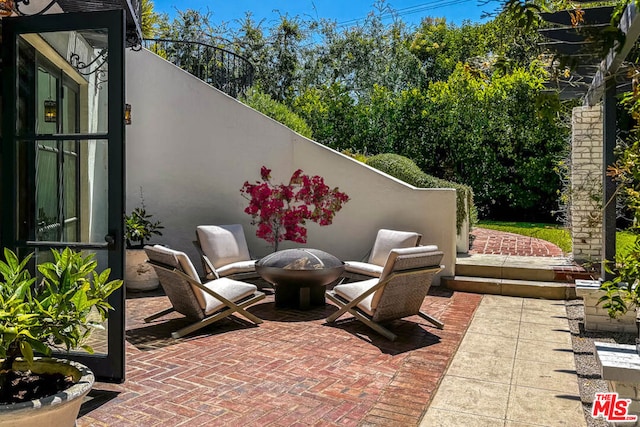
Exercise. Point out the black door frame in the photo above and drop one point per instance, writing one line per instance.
(109, 367)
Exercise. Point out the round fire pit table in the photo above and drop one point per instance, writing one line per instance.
(300, 276)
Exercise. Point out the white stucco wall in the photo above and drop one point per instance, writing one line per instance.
(191, 147)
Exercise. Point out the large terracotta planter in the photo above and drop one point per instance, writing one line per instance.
(59, 410)
(139, 274)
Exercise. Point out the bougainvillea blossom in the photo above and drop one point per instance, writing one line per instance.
(281, 211)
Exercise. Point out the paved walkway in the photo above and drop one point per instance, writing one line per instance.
(514, 367)
(495, 242)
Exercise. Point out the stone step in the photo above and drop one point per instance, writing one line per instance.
(519, 288)
(543, 269)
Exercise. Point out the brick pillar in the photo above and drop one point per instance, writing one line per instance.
(586, 183)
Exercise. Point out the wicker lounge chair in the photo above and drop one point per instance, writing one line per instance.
(224, 251)
(385, 241)
(398, 293)
(204, 303)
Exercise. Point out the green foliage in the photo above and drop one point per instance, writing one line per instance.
(407, 171)
(466, 129)
(277, 111)
(464, 102)
(149, 19)
(622, 292)
(61, 310)
(139, 228)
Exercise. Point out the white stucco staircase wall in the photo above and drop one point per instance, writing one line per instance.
(191, 147)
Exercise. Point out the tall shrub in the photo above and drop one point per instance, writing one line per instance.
(406, 170)
(277, 111)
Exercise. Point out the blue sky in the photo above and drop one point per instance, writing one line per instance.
(342, 11)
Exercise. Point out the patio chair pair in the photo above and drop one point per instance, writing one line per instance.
(225, 253)
(204, 303)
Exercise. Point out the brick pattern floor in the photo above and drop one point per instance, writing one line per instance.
(292, 370)
(502, 243)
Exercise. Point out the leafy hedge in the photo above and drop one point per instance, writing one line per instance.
(277, 111)
(406, 170)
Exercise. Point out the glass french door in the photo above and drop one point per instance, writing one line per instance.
(63, 151)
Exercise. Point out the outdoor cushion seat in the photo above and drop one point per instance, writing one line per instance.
(224, 251)
(385, 241)
(397, 293)
(204, 303)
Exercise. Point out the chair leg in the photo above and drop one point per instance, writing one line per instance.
(375, 326)
(342, 307)
(221, 315)
(438, 324)
(158, 314)
(201, 324)
(255, 319)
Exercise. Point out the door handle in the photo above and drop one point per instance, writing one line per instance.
(110, 239)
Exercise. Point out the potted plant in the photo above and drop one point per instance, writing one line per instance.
(139, 228)
(58, 312)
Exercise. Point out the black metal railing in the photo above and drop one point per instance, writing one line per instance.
(222, 69)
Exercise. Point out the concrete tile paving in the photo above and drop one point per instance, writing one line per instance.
(535, 385)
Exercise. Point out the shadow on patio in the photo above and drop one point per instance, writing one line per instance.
(291, 370)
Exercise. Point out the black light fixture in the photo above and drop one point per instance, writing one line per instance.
(127, 114)
(50, 107)
(50, 111)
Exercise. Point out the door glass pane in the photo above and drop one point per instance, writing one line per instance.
(47, 195)
(69, 110)
(81, 56)
(46, 102)
(70, 182)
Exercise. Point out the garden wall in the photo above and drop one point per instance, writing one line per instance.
(191, 147)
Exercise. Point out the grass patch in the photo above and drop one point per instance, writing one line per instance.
(553, 233)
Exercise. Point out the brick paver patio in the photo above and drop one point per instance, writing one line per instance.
(292, 370)
(493, 242)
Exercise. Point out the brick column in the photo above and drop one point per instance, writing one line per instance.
(586, 183)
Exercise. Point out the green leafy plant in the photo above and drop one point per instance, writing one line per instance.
(405, 169)
(622, 293)
(60, 311)
(139, 228)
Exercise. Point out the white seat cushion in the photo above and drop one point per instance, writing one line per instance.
(364, 268)
(391, 239)
(223, 244)
(350, 291)
(232, 290)
(234, 268)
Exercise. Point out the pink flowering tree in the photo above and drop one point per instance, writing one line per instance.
(280, 211)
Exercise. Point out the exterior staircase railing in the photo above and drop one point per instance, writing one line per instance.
(222, 69)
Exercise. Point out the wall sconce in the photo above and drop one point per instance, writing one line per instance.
(127, 114)
(50, 111)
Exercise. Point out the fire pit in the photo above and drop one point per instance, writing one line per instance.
(300, 276)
